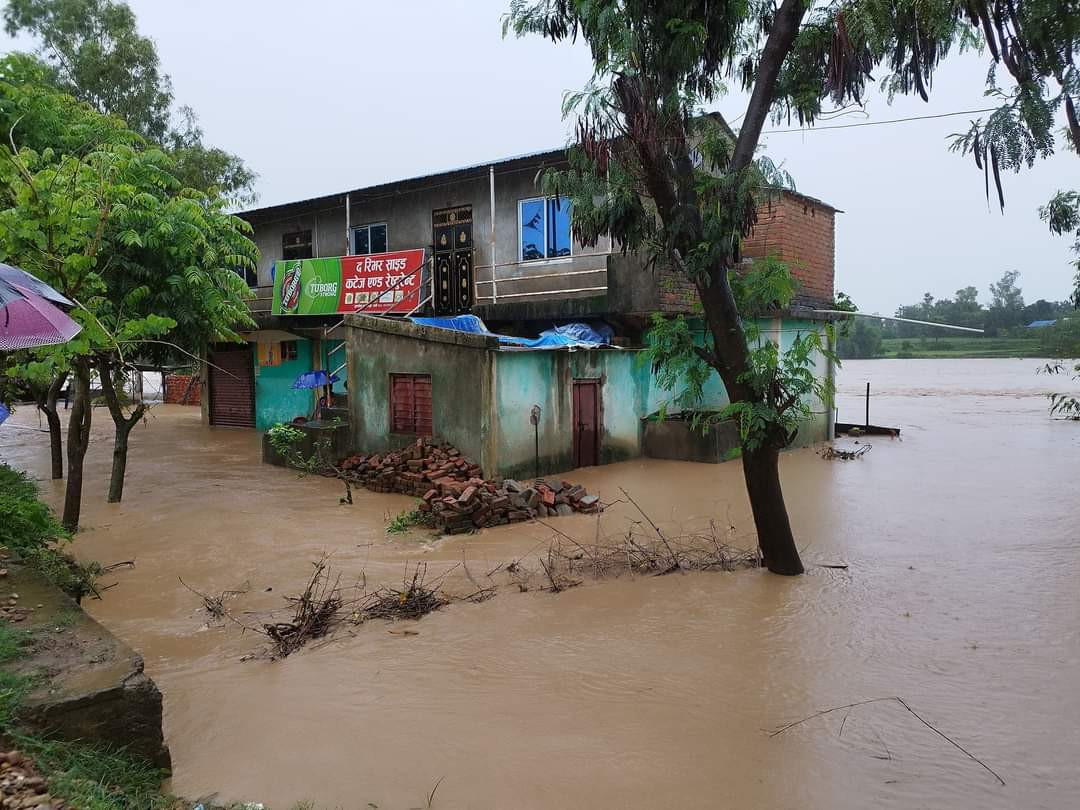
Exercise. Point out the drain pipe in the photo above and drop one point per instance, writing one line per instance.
(491, 188)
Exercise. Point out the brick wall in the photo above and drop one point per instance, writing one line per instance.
(176, 385)
(801, 232)
(798, 230)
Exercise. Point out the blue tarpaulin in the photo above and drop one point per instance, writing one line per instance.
(314, 379)
(571, 335)
(4, 413)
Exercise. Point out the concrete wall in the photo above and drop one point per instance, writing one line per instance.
(407, 214)
(545, 378)
(461, 369)
(275, 398)
(482, 396)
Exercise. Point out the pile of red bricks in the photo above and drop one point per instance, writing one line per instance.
(454, 493)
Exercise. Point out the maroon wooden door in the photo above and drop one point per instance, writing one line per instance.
(586, 423)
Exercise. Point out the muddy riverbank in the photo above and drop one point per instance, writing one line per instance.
(960, 596)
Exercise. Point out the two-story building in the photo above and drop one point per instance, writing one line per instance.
(483, 240)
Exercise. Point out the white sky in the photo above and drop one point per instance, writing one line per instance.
(327, 95)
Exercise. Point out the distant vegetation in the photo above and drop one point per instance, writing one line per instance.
(1005, 324)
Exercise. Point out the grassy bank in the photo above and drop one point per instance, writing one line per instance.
(80, 775)
(961, 347)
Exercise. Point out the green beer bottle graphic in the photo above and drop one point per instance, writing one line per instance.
(290, 289)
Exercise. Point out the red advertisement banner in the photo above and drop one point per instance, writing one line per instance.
(381, 282)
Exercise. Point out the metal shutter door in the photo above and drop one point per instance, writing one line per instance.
(232, 389)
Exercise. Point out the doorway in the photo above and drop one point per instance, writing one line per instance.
(453, 239)
(231, 373)
(586, 424)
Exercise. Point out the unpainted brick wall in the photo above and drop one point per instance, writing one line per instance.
(176, 385)
(792, 228)
(801, 233)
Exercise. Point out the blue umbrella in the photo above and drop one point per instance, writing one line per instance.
(315, 379)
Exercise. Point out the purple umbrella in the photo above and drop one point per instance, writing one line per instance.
(28, 320)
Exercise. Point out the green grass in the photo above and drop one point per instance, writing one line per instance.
(90, 777)
(961, 347)
(403, 522)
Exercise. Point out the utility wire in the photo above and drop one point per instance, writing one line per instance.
(879, 123)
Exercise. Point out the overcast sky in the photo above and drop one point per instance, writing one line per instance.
(327, 95)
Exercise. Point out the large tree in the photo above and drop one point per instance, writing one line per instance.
(653, 172)
(153, 267)
(94, 52)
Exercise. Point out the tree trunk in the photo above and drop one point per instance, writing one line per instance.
(761, 469)
(47, 406)
(123, 425)
(78, 441)
(119, 461)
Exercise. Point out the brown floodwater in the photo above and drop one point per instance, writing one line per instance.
(961, 597)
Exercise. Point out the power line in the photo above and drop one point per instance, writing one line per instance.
(879, 123)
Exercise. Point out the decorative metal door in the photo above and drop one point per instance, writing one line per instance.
(453, 260)
(586, 416)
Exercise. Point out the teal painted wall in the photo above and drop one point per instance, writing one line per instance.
(275, 398)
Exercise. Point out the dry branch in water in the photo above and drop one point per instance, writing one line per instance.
(910, 710)
(411, 601)
(315, 612)
(214, 605)
(831, 452)
(642, 549)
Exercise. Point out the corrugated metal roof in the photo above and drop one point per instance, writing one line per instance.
(338, 197)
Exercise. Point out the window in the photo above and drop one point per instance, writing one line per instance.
(296, 245)
(544, 227)
(288, 350)
(410, 404)
(369, 239)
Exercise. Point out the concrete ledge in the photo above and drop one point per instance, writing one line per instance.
(94, 688)
(389, 326)
(676, 439)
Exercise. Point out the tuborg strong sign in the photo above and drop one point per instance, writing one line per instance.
(376, 283)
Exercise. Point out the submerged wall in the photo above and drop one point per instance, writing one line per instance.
(461, 369)
(482, 396)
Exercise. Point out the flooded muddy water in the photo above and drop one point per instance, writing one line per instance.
(960, 596)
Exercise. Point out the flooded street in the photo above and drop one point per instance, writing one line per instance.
(960, 597)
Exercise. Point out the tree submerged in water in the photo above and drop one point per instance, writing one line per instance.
(651, 170)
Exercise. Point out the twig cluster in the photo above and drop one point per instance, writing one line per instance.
(831, 452)
(214, 605)
(642, 549)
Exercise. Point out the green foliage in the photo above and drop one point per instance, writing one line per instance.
(860, 340)
(30, 529)
(283, 438)
(1065, 406)
(92, 50)
(1062, 339)
(97, 55)
(26, 523)
(1062, 215)
(785, 386)
(11, 643)
(402, 522)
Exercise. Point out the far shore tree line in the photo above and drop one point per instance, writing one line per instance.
(1007, 316)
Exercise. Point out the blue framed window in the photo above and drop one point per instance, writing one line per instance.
(369, 239)
(544, 228)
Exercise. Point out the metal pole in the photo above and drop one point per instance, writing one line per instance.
(868, 406)
(491, 186)
(348, 227)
